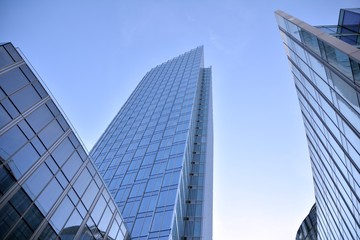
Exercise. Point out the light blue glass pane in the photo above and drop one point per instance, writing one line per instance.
(49, 196)
(37, 181)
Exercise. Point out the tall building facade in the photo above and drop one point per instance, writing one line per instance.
(308, 228)
(325, 63)
(156, 156)
(49, 187)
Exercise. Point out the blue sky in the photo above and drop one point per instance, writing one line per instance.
(92, 54)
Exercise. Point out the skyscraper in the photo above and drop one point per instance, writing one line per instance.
(49, 187)
(156, 154)
(325, 63)
(308, 228)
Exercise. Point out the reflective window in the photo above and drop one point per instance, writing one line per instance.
(51, 133)
(13, 81)
(62, 152)
(38, 180)
(61, 214)
(39, 118)
(25, 98)
(49, 196)
(90, 194)
(24, 159)
(72, 165)
(5, 58)
(11, 141)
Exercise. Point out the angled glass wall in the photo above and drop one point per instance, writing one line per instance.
(326, 73)
(156, 154)
(49, 188)
(308, 228)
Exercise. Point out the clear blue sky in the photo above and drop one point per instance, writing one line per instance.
(92, 54)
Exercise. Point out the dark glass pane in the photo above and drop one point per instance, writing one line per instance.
(6, 179)
(8, 217)
(14, 54)
(12, 81)
(25, 98)
(20, 201)
(33, 217)
(28, 73)
(5, 58)
(21, 231)
(25, 128)
(10, 108)
(48, 233)
(38, 145)
(40, 89)
(4, 117)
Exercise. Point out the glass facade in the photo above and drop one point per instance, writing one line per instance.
(156, 154)
(49, 188)
(308, 228)
(325, 69)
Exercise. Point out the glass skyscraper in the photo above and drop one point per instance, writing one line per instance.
(325, 63)
(308, 228)
(49, 187)
(156, 156)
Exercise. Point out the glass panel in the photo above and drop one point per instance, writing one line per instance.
(10, 108)
(28, 73)
(5, 58)
(37, 181)
(74, 220)
(114, 230)
(23, 160)
(11, 141)
(62, 152)
(48, 233)
(25, 98)
(72, 165)
(12, 81)
(105, 220)
(162, 221)
(310, 40)
(39, 118)
(72, 226)
(33, 217)
(49, 196)
(21, 231)
(90, 194)
(51, 133)
(4, 117)
(20, 201)
(14, 54)
(82, 182)
(61, 214)
(98, 210)
(338, 59)
(39, 89)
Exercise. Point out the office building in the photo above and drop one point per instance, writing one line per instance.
(308, 228)
(156, 156)
(325, 64)
(49, 187)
